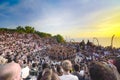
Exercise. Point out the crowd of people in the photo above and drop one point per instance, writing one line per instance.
(29, 57)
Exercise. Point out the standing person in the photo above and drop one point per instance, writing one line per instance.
(77, 72)
(10, 71)
(44, 66)
(101, 71)
(67, 66)
(49, 74)
(59, 70)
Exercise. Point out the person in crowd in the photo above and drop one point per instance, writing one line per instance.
(25, 72)
(48, 74)
(100, 71)
(59, 70)
(117, 64)
(26, 49)
(44, 66)
(77, 71)
(55, 76)
(3, 60)
(10, 71)
(114, 68)
(67, 66)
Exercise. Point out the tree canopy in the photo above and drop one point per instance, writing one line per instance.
(59, 38)
(42, 34)
(20, 29)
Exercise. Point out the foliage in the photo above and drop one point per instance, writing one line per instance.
(7, 30)
(20, 29)
(42, 34)
(59, 38)
(29, 29)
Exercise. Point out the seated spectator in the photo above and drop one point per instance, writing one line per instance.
(34, 69)
(2, 60)
(67, 66)
(25, 72)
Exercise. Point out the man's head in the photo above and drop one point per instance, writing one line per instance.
(45, 65)
(10, 71)
(101, 71)
(117, 64)
(67, 65)
(77, 67)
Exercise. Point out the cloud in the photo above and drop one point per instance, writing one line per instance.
(21, 13)
(63, 16)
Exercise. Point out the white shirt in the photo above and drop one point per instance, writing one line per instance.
(82, 72)
(25, 72)
(68, 77)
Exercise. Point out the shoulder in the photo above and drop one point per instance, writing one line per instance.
(69, 77)
(74, 77)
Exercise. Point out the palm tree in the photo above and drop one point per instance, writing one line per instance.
(112, 40)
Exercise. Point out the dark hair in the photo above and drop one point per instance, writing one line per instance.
(117, 64)
(34, 64)
(59, 70)
(48, 74)
(100, 71)
(76, 67)
(45, 65)
(7, 76)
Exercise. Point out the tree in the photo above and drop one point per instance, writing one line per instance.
(42, 34)
(7, 30)
(59, 38)
(29, 29)
(3, 29)
(20, 29)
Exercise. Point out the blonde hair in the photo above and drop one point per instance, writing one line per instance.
(67, 65)
(3, 60)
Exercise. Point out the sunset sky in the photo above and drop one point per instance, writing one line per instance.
(70, 18)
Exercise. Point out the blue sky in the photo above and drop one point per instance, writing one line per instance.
(66, 17)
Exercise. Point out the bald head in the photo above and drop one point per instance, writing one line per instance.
(10, 71)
